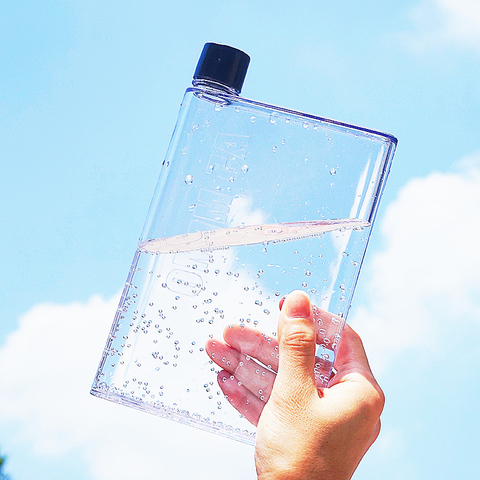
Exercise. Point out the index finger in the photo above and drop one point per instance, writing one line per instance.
(351, 357)
(252, 342)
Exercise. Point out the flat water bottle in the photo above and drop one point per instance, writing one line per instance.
(253, 201)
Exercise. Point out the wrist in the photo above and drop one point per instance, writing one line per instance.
(301, 474)
(305, 470)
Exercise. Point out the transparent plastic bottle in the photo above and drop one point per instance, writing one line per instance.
(253, 201)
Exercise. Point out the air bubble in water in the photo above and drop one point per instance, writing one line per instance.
(333, 171)
(244, 168)
(335, 320)
(308, 274)
(189, 179)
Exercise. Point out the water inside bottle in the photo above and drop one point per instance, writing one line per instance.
(247, 235)
(182, 290)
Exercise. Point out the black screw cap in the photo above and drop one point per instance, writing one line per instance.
(222, 64)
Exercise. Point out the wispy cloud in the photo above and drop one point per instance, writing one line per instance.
(440, 23)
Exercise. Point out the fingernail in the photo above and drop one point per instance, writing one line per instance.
(298, 305)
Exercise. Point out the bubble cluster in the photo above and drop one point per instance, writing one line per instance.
(163, 333)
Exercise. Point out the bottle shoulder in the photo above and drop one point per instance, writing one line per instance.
(223, 98)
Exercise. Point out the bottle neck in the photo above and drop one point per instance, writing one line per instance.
(212, 84)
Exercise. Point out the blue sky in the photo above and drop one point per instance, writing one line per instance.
(89, 94)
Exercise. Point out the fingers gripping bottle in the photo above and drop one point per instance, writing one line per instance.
(253, 201)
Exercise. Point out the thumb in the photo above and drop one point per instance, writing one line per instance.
(296, 337)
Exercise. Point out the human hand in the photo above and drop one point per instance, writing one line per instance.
(244, 353)
(304, 432)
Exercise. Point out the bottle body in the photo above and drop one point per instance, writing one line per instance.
(253, 201)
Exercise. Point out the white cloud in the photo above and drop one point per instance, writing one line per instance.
(423, 290)
(52, 358)
(437, 23)
(418, 292)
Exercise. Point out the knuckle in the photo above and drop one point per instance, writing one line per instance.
(299, 338)
(374, 402)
